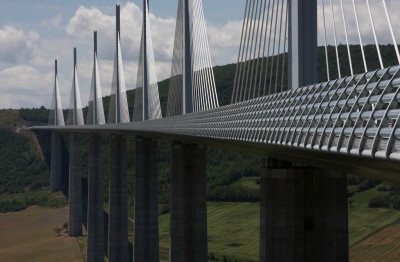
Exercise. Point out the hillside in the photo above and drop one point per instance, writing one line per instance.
(22, 166)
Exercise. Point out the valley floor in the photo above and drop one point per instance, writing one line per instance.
(29, 235)
(383, 246)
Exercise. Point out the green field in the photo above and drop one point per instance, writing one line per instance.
(20, 201)
(364, 221)
(233, 228)
(35, 194)
(248, 182)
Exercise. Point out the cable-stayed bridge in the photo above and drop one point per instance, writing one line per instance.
(312, 133)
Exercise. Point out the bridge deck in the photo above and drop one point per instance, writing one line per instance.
(345, 122)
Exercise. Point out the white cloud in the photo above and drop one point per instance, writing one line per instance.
(24, 86)
(224, 41)
(26, 58)
(379, 18)
(88, 19)
(28, 78)
(52, 22)
(17, 45)
(223, 38)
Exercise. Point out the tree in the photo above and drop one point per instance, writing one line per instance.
(350, 201)
(379, 202)
(65, 227)
(57, 230)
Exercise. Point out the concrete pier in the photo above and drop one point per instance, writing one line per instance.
(95, 218)
(75, 186)
(118, 249)
(303, 215)
(56, 163)
(188, 206)
(146, 244)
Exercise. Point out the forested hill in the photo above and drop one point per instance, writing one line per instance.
(22, 167)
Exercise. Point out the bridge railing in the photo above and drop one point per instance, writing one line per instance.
(358, 115)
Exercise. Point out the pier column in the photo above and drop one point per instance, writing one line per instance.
(303, 215)
(146, 244)
(95, 218)
(188, 206)
(56, 162)
(75, 186)
(118, 249)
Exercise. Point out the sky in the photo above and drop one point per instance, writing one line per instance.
(34, 33)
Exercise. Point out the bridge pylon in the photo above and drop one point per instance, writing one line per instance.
(146, 107)
(75, 118)
(118, 249)
(303, 34)
(192, 85)
(95, 216)
(303, 209)
(56, 118)
(147, 100)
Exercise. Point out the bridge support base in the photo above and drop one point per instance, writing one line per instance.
(56, 164)
(188, 225)
(95, 218)
(303, 215)
(118, 249)
(146, 244)
(75, 186)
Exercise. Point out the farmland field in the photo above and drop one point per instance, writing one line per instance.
(28, 236)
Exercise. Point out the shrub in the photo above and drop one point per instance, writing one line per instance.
(383, 188)
(353, 180)
(379, 202)
(211, 256)
(164, 209)
(350, 193)
(233, 194)
(368, 184)
(350, 201)
(396, 203)
(57, 230)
